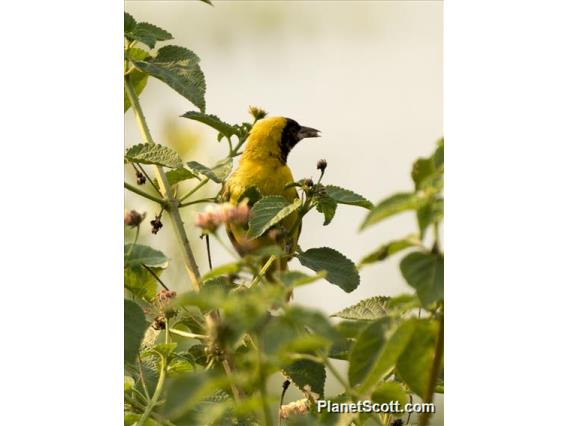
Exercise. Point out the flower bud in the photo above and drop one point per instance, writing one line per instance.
(322, 164)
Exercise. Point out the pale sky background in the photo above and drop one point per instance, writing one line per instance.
(368, 74)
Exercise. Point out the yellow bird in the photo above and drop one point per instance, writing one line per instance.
(264, 165)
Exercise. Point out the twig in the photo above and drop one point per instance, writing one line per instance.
(425, 417)
(199, 185)
(156, 276)
(186, 334)
(264, 269)
(208, 251)
(143, 194)
(202, 200)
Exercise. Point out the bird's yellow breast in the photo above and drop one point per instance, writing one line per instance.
(270, 177)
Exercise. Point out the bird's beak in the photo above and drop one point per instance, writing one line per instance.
(308, 132)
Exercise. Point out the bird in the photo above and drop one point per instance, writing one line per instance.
(264, 164)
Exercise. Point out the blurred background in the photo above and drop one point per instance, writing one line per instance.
(368, 74)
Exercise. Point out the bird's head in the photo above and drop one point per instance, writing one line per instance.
(275, 137)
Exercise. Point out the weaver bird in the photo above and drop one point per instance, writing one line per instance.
(264, 165)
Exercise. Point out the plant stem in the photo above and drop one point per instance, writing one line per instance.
(263, 396)
(171, 202)
(156, 277)
(142, 379)
(157, 392)
(159, 418)
(338, 376)
(203, 200)
(438, 354)
(148, 178)
(186, 334)
(262, 272)
(143, 194)
(192, 191)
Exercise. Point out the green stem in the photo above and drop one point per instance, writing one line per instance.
(142, 379)
(171, 205)
(157, 393)
(338, 376)
(159, 418)
(262, 272)
(156, 277)
(148, 178)
(263, 395)
(186, 334)
(143, 194)
(166, 190)
(438, 354)
(192, 191)
(203, 200)
(135, 240)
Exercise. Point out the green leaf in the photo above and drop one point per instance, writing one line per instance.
(198, 354)
(213, 121)
(137, 78)
(368, 309)
(375, 352)
(131, 419)
(340, 270)
(148, 34)
(134, 328)
(390, 391)
(160, 155)
(129, 22)
(415, 363)
(294, 279)
(179, 175)
(341, 349)
(227, 269)
(267, 212)
(218, 173)
(392, 205)
(140, 282)
(425, 273)
(351, 329)
(178, 68)
(421, 169)
(430, 213)
(128, 383)
(390, 248)
(345, 196)
(385, 358)
(307, 373)
(327, 206)
(252, 194)
(185, 392)
(365, 350)
(311, 319)
(166, 349)
(438, 156)
(139, 254)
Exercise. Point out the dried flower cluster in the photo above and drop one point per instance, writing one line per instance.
(132, 218)
(156, 224)
(140, 179)
(214, 216)
(256, 112)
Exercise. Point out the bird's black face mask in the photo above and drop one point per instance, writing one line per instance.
(292, 134)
